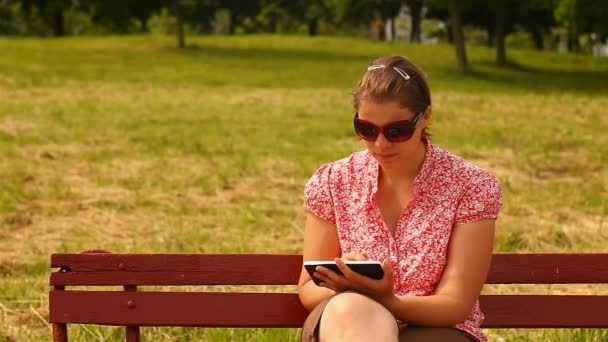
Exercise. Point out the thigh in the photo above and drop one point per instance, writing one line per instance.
(432, 334)
(311, 327)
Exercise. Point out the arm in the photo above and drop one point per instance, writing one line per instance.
(468, 261)
(320, 243)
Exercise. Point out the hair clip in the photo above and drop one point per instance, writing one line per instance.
(375, 66)
(382, 66)
(402, 73)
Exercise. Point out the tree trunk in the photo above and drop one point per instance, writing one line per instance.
(491, 35)
(181, 42)
(448, 28)
(58, 28)
(144, 24)
(416, 19)
(457, 36)
(501, 13)
(313, 26)
(538, 39)
(573, 45)
(232, 24)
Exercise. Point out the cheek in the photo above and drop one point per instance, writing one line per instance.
(368, 144)
(407, 147)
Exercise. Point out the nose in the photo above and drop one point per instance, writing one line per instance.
(381, 142)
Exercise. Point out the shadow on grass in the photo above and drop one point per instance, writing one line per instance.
(490, 77)
(535, 79)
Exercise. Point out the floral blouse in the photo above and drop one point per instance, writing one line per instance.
(448, 191)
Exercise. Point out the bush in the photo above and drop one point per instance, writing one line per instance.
(164, 23)
(11, 19)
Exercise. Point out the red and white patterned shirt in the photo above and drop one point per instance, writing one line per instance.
(447, 191)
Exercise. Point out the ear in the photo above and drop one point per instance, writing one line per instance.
(426, 117)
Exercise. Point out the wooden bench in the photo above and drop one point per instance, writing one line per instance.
(133, 309)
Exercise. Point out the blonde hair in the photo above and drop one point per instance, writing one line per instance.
(394, 78)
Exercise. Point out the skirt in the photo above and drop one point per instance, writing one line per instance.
(407, 333)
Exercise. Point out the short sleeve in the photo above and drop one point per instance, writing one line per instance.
(482, 200)
(317, 194)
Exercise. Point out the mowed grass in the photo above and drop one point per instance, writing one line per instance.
(130, 145)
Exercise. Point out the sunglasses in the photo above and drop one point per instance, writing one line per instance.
(397, 131)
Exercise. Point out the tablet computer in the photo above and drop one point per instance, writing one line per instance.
(370, 268)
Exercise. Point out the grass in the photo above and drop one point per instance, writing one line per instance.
(127, 144)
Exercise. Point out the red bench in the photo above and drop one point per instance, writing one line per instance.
(134, 308)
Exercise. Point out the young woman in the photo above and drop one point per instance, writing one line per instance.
(425, 213)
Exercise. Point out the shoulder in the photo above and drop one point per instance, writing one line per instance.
(347, 167)
(460, 170)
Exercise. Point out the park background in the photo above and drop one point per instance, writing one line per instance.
(192, 126)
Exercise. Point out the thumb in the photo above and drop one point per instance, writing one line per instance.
(387, 267)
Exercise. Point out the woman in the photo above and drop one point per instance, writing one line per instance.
(427, 214)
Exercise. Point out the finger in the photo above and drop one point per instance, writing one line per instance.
(331, 282)
(349, 273)
(387, 267)
(355, 256)
(328, 275)
(349, 256)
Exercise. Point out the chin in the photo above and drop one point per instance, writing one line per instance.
(386, 157)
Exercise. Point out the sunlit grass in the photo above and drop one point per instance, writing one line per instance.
(129, 145)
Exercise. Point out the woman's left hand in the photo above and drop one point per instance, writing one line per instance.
(381, 289)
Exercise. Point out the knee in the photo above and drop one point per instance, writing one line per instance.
(351, 316)
(350, 306)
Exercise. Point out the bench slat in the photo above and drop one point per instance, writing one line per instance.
(544, 311)
(176, 262)
(209, 277)
(284, 269)
(252, 309)
(514, 268)
(177, 309)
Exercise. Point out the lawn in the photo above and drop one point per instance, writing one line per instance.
(130, 145)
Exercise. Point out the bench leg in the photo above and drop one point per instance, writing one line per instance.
(133, 334)
(60, 332)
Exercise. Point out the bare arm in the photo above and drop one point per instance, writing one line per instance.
(320, 243)
(468, 262)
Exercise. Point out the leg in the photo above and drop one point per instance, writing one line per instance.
(353, 317)
(432, 334)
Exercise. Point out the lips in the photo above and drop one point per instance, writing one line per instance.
(386, 155)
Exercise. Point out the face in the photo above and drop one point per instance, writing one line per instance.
(390, 116)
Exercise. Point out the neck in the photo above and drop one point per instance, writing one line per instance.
(405, 173)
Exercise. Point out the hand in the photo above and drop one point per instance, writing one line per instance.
(381, 290)
(322, 273)
(355, 256)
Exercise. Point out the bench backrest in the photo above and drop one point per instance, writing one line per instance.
(218, 309)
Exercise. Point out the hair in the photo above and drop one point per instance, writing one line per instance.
(387, 84)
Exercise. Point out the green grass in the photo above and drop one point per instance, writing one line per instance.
(130, 145)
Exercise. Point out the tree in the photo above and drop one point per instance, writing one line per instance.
(177, 8)
(415, 7)
(457, 36)
(501, 13)
(536, 17)
(389, 10)
(582, 17)
(240, 10)
(51, 12)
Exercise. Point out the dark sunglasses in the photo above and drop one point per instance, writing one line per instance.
(397, 131)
